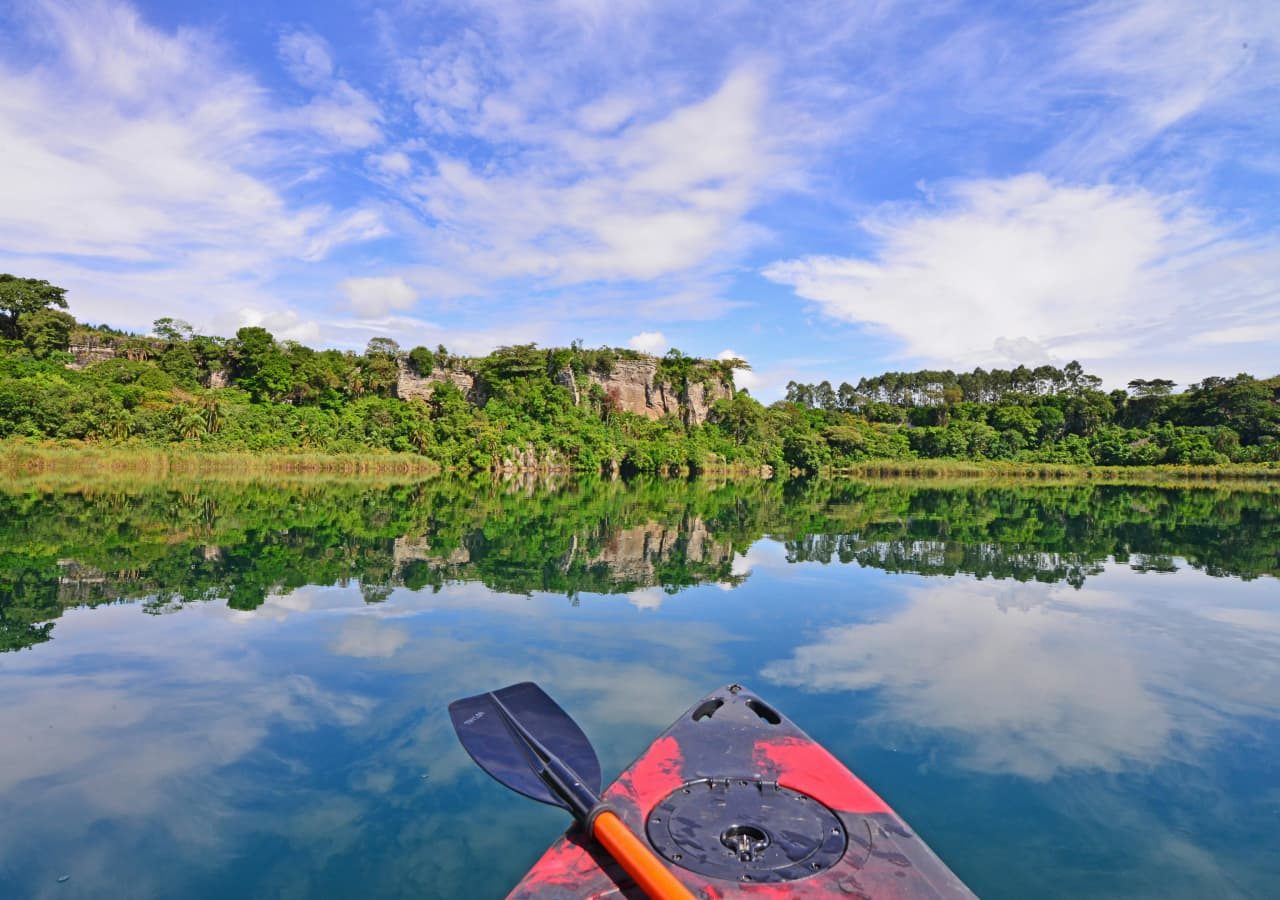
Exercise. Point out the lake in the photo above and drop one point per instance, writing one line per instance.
(235, 688)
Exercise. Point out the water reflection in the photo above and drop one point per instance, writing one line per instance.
(1069, 691)
(169, 545)
(1029, 681)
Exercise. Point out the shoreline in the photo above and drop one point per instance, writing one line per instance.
(26, 459)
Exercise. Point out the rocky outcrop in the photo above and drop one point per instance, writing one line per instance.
(700, 397)
(412, 386)
(630, 385)
(218, 378)
(633, 386)
(90, 352)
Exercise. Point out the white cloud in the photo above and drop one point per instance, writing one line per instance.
(284, 324)
(654, 342)
(375, 296)
(1040, 679)
(307, 57)
(609, 112)
(647, 598)
(345, 115)
(128, 143)
(1242, 334)
(337, 111)
(742, 378)
(391, 163)
(662, 197)
(1023, 270)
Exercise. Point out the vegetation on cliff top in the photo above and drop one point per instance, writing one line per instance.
(254, 393)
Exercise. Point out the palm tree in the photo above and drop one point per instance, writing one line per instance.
(214, 414)
(189, 421)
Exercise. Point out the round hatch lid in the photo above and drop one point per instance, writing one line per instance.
(744, 829)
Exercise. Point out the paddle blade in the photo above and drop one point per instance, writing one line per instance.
(498, 749)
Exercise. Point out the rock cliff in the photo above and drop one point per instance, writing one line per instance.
(412, 386)
(634, 385)
(631, 385)
(90, 352)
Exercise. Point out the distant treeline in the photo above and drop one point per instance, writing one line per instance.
(1047, 414)
(254, 392)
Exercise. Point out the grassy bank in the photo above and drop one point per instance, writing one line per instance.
(949, 469)
(20, 458)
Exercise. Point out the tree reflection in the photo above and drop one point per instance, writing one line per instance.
(172, 544)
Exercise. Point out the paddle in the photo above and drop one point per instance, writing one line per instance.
(525, 740)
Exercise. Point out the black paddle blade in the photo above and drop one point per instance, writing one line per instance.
(498, 749)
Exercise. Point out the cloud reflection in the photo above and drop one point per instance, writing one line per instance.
(1035, 680)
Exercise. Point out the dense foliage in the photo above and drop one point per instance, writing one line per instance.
(1046, 415)
(529, 406)
(168, 544)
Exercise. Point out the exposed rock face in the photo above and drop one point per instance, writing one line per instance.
(700, 397)
(88, 353)
(566, 379)
(219, 378)
(412, 386)
(634, 386)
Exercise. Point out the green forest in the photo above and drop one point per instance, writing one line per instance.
(168, 544)
(65, 382)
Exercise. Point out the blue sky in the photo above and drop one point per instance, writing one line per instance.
(829, 190)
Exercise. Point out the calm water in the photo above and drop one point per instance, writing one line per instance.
(237, 689)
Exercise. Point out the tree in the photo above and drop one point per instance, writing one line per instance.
(1154, 387)
(740, 416)
(260, 367)
(181, 363)
(172, 330)
(422, 360)
(25, 295)
(824, 396)
(378, 370)
(46, 331)
(382, 346)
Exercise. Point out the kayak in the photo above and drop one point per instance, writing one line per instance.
(739, 802)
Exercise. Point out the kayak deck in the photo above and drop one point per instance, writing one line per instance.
(742, 803)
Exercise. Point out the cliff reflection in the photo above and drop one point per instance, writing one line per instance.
(169, 544)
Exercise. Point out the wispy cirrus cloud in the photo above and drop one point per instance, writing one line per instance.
(1105, 243)
(589, 170)
(1149, 69)
(127, 146)
(568, 205)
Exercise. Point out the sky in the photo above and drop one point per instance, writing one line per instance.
(827, 190)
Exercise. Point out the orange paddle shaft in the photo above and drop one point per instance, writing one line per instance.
(637, 859)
